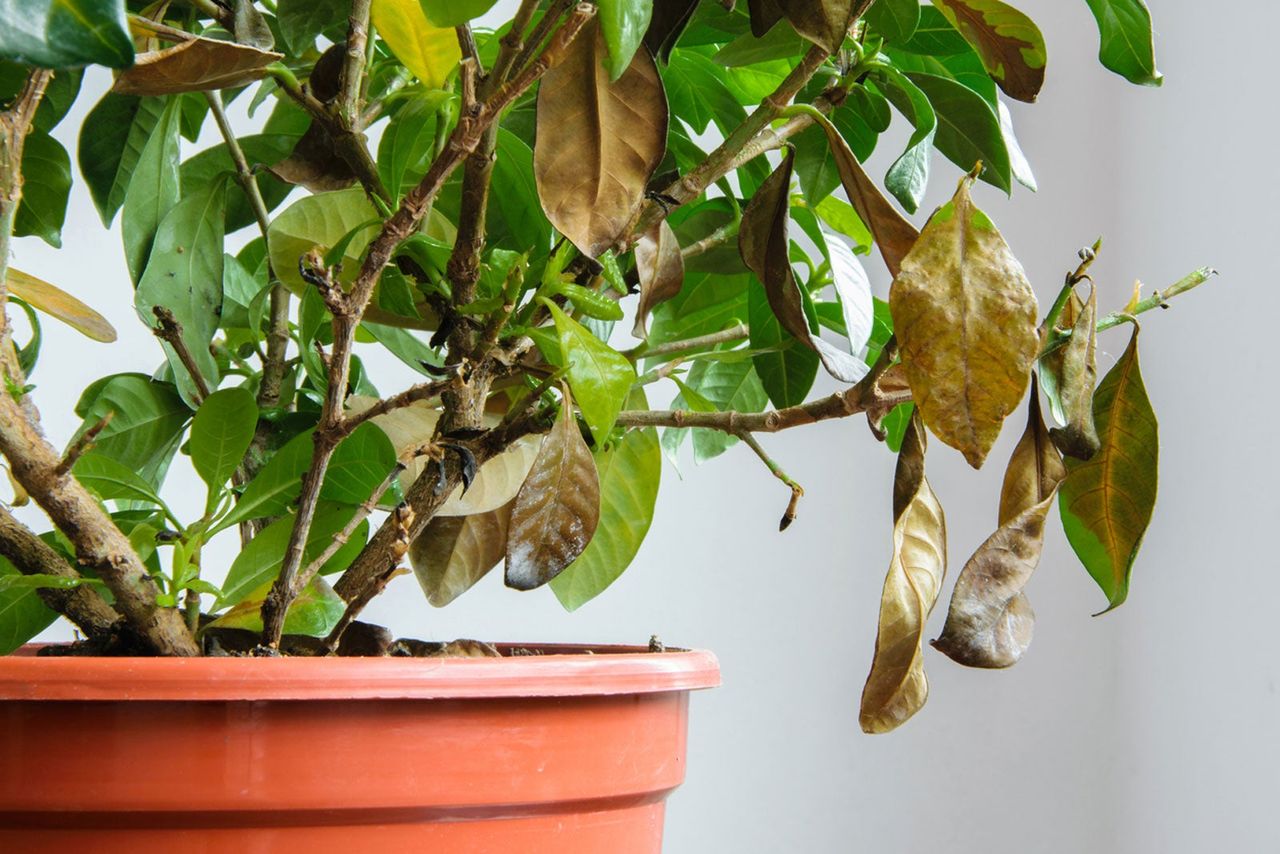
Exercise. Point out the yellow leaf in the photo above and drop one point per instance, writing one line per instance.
(56, 302)
(1132, 305)
(429, 52)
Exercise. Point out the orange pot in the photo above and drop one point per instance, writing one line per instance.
(568, 752)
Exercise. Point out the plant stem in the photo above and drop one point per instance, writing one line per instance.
(351, 81)
(737, 332)
(797, 491)
(169, 330)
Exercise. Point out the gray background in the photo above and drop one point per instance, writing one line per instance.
(1152, 729)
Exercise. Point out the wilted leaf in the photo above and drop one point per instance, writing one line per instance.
(557, 509)
(629, 473)
(66, 33)
(964, 314)
(896, 687)
(454, 552)
(765, 246)
(823, 22)
(56, 302)
(1070, 374)
(431, 53)
(1009, 43)
(198, 65)
(660, 266)
(598, 142)
(1107, 502)
(990, 622)
(894, 234)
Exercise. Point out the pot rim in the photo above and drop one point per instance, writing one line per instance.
(564, 670)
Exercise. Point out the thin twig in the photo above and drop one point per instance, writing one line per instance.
(169, 330)
(402, 520)
(797, 491)
(408, 397)
(81, 446)
(737, 332)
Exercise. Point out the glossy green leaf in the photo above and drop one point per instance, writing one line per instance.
(259, 150)
(968, 129)
(786, 369)
(46, 170)
(517, 221)
(152, 188)
(1107, 501)
(934, 36)
(708, 302)
(112, 140)
(66, 33)
(726, 386)
(908, 177)
(23, 614)
(359, 465)
(276, 486)
(748, 49)
(314, 613)
(454, 13)
(623, 23)
(111, 480)
(600, 376)
(147, 422)
(1128, 45)
(1009, 43)
(896, 20)
(221, 433)
(406, 143)
(629, 474)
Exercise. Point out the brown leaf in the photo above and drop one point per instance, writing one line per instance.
(1009, 43)
(598, 142)
(660, 266)
(764, 14)
(670, 17)
(990, 622)
(557, 509)
(765, 247)
(454, 552)
(896, 687)
(315, 163)
(1070, 374)
(823, 22)
(198, 65)
(964, 315)
(894, 234)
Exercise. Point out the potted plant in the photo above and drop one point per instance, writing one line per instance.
(484, 203)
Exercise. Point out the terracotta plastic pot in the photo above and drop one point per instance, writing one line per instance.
(571, 751)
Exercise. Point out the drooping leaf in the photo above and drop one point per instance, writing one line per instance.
(221, 433)
(314, 613)
(964, 314)
(894, 234)
(66, 33)
(908, 177)
(1019, 166)
(46, 170)
(990, 622)
(431, 53)
(823, 22)
(623, 24)
(454, 13)
(56, 302)
(629, 473)
(1128, 45)
(112, 140)
(314, 162)
(599, 141)
(151, 189)
(854, 290)
(557, 509)
(23, 614)
(896, 687)
(896, 20)
(1009, 43)
(1069, 376)
(196, 65)
(600, 376)
(660, 266)
(1107, 502)
(454, 552)
(765, 247)
(668, 22)
(249, 26)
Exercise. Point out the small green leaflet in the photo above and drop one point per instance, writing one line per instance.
(908, 177)
(221, 433)
(1128, 45)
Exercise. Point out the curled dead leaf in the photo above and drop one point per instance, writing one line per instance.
(197, 65)
(660, 266)
(1070, 374)
(454, 552)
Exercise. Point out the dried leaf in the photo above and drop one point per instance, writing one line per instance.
(197, 65)
(823, 22)
(660, 266)
(315, 163)
(990, 621)
(670, 17)
(764, 14)
(1107, 502)
(557, 509)
(894, 234)
(964, 315)
(598, 142)
(454, 552)
(1008, 42)
(765, 247)
(56, 302)
(896, 687)
(1070, 374)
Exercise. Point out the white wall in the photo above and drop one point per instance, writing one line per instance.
(1152, 729)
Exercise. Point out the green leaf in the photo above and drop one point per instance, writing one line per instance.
(968, 129)
(726, 386)
(787, 370)
(623, 23)
(629, 475)
(908, 177)
(896, 20)
(112, 140)
(359, 465)
(1107, 502)
(221, 433)
(1009, 43)
(301, 21)
(708, 302)
(322, 219)
(59, 95)
(147, 421)
(314, 613)
(600, 376)
(406, 144)
(259, 562)
(781, 42)
(517, 221)
(935, 36)
(152, 189)
(840, 216)
(66, 33)
(113, 481)
(454, 13)
(276, 486)
(184, 274)
(46, 171)
(259, 150)
(23, 614)
(1128, 45)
